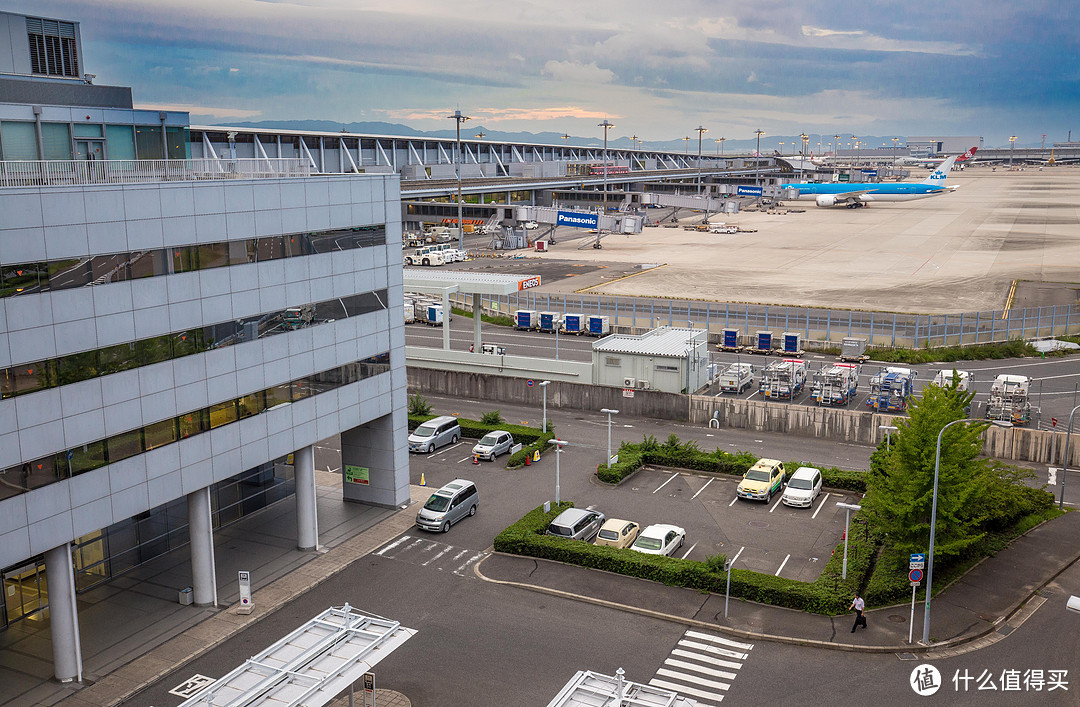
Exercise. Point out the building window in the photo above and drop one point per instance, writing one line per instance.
(612, 361)
(669, 369)
(53, 50)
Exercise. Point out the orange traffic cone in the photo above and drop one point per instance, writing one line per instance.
(527, 460)
(476, 459)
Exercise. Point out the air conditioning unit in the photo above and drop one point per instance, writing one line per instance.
(643, 385)
(629, 382)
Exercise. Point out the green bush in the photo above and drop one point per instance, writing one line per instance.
(1011, 349)
(540, 443)
(419, 405)
(491, 418)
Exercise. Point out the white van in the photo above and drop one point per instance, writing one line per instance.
(435, 433)
(802, 488)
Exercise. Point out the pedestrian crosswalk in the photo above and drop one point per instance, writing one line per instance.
(702, 666)
(432, 554)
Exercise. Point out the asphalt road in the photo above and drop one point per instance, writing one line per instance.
(1055, 385)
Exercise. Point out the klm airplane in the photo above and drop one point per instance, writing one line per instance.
(856, 194)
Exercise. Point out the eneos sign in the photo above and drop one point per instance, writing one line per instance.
(576, 220)
(528, 283)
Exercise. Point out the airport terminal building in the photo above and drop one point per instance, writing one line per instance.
(175, 335)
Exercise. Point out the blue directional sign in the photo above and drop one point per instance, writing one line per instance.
(577, 220)
(917, 562)
(870, 172)
(918, 557)
(748, 191)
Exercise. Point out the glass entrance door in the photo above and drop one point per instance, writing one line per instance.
(90, 150)
(25, 592)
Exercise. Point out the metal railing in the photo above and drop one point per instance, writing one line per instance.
(80, 172)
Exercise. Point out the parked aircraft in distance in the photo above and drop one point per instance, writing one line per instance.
(856, 194)
(934, 161)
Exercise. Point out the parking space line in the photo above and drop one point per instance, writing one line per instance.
(782, 566)
(448, 549)
(820, 506)
(690, 550)
(463, 459)
(737, 554)
(702, 488)
(752, 395)
(665, 483)
(392, 545)
(776, 504)
(733, 502)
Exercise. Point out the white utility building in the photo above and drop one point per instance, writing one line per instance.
(669, 359)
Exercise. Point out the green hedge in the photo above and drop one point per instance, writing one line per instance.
(531, 438)
(686, 455)
(828, 595)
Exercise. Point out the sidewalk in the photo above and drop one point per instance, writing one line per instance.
(994, 594)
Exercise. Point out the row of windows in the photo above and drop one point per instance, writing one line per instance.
(53, 49)
(64, 370)
(35, 278)
(92, 141)
(72, 462)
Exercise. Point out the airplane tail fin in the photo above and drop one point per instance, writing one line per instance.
(970, 153)
(939, 175)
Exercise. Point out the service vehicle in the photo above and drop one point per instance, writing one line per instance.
(836, 385)
(736, 378)
(891, 388)
(1010, 399)
(946, 376)
(617, 533)
(296, 317)
(448, 505)
(802, 488)
(491, 349)
(783, 380)
(852, 350)
(659, 539)
(493, 444)
(419, 257)
(762, 480)
(576, 524)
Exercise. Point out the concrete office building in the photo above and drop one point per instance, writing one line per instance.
(175, 335)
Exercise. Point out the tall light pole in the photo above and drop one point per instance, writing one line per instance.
(700, 131)
(543, 387)
(686, 145)
(894, 141)
(757, 157)
(848, 508)
(802, 160)
(933, 525)
(781, 148)
(606, 126)
(558, 453)
(1012, 147)
(1065, 463)
(609, 414)
(836, 145)
(458, 118)
(564, 137)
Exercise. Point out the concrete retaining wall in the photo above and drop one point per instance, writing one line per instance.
(838, 424)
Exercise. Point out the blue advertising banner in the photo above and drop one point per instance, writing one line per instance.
(748, 191)
(576, 220)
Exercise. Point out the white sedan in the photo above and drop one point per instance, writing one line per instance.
(659, 539)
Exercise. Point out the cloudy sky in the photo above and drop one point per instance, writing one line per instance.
(656, 69)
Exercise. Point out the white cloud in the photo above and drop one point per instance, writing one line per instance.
(577, 73)
(860, 39)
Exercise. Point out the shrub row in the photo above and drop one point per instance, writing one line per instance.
(687, 456)
(828, 595)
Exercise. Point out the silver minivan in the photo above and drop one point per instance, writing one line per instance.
(576, 524)
(448, 505)
(493, 444)
(435, 433)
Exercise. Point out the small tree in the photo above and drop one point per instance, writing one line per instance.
(491, 418)
(419, 406)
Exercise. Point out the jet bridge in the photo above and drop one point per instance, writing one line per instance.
(614, 223)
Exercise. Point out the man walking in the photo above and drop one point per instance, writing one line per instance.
(858, 605)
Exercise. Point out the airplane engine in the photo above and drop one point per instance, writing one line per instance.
(826, 200)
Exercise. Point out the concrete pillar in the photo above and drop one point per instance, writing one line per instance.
(200, 528)
(307, 520)
(382, 447)
(63, 614)
(477, 315)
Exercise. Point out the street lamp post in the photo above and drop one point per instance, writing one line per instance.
(700, 131)
(836, 146)
(1012, 147)
(686, 145)
(757, 157)
(802, 160)
(894, 141)
(1065, 463)
(564, 137)
(606, 126)
(933, 525)
(543, 387)
(458, 118)
(609, 414)
(558, 453)
(848, 508)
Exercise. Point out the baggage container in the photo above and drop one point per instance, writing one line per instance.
(598, 325)
(852, 350)
(763, 343)
(573, 323)
(525, 319)
(435, 314)
(792, 343)
(550, 322)
(730, 341)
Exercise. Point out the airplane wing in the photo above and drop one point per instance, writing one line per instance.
(849, 196)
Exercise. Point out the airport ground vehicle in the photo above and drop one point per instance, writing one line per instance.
(762, 480)
(835, 385)
(448, 505)
(493, 444)
(576, 524)
(659, 539)
(617, 533)
(783, 380)
(491, 349)
(802, 488)
(1010, 399)
(418, 257)
(435, 433)
(891, 388)
(736, 378)
(852, 350)
(296, 317)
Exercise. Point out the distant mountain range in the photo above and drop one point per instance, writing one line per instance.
(769, 143)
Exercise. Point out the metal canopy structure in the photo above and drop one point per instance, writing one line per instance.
(310, 666)
(477, 284)
(589, 689)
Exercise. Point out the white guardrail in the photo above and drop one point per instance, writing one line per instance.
(76, 172)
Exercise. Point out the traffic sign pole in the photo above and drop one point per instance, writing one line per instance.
(911, 621)
(915, 574)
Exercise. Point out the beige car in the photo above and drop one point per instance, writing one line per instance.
(617, 533)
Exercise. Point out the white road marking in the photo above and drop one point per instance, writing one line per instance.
(702, 488)
(707, 659)
(712, 650)
(686, 690)
(450, 448)
(776, 504)
(665, 483)
(692, 678)
(690, 550)
(752, 395)
(468, 562)
(717, 639)
(782, 566)
(700, 669)
(820, 506)
(733, 502)
(448, 549)
(392, 545)
(465, 459)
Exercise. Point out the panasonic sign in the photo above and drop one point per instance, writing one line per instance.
(748, 191)
(576, 220)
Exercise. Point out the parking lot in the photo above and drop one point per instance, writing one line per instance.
(772, 538)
